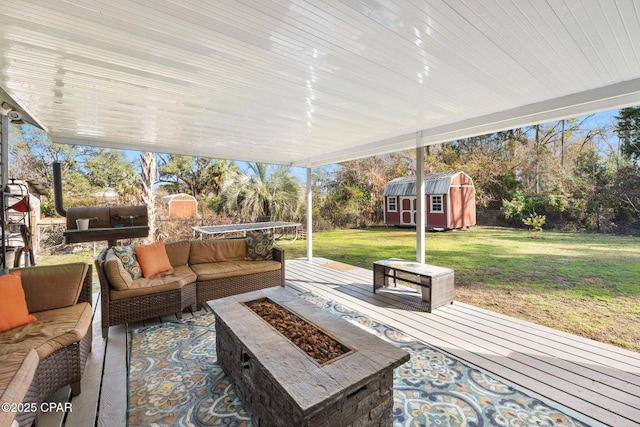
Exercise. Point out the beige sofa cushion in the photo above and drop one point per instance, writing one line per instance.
(178, 252)
(216, 250)
(16, 373)
(176, 279)
(53, 286)
(219, 270)
(54, 329)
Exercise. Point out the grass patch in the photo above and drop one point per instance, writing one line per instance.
(586, 284)
(80, 256)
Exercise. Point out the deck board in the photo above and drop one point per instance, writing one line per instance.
(591, 381)
(558, 367)
(84, 405)
(576, 355)
(112, 408)
(597, 351)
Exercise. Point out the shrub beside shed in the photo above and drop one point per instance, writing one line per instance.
(450, 201)
(180, 206)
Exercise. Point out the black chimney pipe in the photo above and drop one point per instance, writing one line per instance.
(57, 189)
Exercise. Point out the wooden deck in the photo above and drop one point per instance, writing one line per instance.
(596, 383)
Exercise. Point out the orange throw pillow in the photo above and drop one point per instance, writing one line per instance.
(13, 305)
(153, 259)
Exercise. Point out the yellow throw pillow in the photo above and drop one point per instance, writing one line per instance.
(13, 305)
(153, 259)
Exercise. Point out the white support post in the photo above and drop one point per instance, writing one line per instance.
(4, 179)
(4, 151)
(309, 217)
(420, 206)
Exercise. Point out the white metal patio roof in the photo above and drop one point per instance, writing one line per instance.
(306, 83)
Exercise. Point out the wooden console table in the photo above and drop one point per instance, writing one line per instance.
(436, 283)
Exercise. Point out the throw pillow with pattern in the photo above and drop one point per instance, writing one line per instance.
(128, 257)
(259, 245)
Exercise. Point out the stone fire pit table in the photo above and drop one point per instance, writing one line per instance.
(280, 385)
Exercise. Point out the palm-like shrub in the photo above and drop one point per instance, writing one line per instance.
(260, 193)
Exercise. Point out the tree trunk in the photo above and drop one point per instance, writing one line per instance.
(148, 172)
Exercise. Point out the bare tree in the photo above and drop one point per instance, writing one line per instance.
(149, 168)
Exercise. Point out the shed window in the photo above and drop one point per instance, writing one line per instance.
(436, 204)
(392, 207)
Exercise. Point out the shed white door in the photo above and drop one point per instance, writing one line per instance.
(408, 210)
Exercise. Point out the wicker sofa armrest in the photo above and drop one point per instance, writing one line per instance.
(104, 289)
(278, 255)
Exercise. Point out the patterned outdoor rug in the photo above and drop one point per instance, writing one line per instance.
(174, 380)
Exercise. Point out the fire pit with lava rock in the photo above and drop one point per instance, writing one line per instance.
(317, 344)
(342, 376)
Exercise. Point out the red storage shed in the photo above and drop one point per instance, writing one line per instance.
(450, 201)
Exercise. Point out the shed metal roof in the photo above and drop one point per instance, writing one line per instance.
(182, 197)
(434, 183)
(307, 82)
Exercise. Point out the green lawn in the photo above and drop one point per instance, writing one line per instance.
(586, 284)
(82, 256)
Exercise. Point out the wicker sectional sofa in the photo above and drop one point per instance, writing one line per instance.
(202, 270)
(38, 358)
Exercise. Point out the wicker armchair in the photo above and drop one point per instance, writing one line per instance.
(60, 297)
(65, 365)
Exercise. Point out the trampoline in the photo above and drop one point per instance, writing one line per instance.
(216, 230)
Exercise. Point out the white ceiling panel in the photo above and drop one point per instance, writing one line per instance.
(307, 83)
